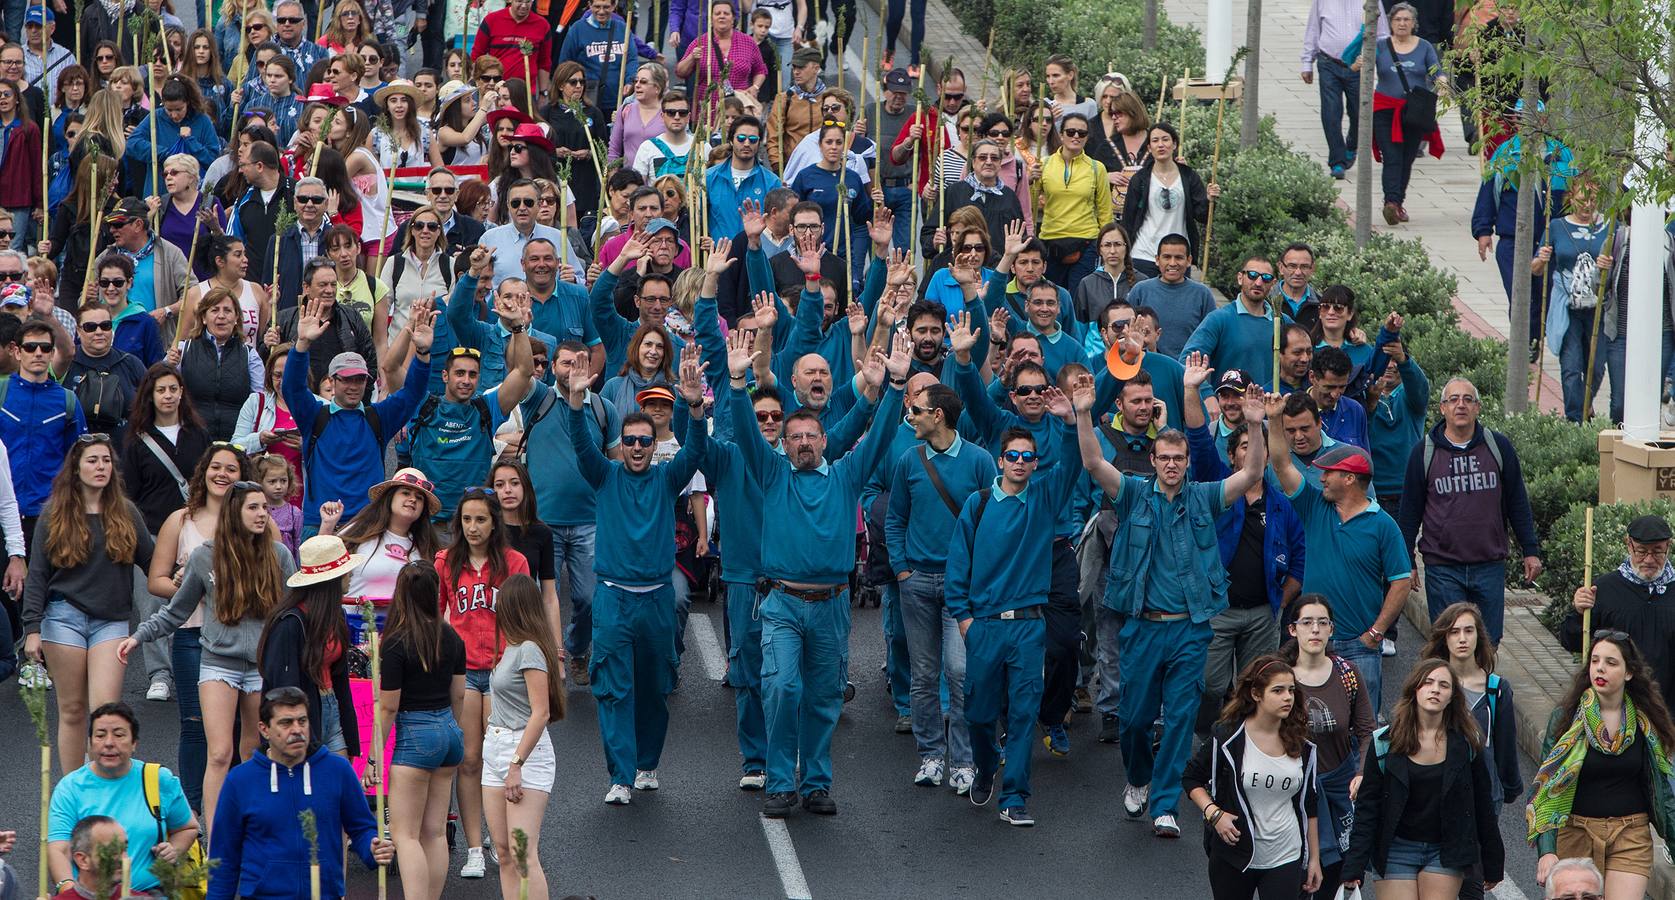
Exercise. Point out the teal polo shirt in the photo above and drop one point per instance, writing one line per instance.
(1351, 562)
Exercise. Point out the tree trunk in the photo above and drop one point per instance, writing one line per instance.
(1523, 249)
(1251, 116)
(1364, 146)
(1148, 41)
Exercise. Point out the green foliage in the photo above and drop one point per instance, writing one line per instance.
(1563, 549)
(1270, 196)
(1389, 274)
(1444, 351)
(310, 835)
(1092, 32)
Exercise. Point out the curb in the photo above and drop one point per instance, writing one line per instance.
(1533, 707)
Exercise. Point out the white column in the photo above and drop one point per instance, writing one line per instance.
(1643, 363)
(1218, 40)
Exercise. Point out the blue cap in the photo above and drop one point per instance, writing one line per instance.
(659, 224)
(37, 15)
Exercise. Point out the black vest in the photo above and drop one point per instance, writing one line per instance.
(219, 383)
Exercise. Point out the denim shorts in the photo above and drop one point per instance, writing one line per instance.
(247, 679)
(1408, 858)
(65, 624)
(331, 724)
(427, 739)
(478, 680)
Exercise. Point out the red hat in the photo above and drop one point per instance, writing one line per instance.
(533, 135)
(508, 112)
(321, 92)
(1345, 458)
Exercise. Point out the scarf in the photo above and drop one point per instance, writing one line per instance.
(981, 188)
(1555, 782)
(114, 10)
(142, 253)
(811, 95)
(1655, 585)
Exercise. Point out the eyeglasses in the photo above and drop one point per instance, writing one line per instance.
(1331, 304)
(807, 226)
(112, 282)
(1029, 390)
(521, 203)
(1263, 277)
(444, 191)
(747, 138)
(677, 112)
(472, 352)
(90, 327)
(93, 437)
(288, 20)
(310, 198)
(988, 157)
(769, 415)
(426, 226)
(1023, 456)
(1648, 552)
(577, 80)
(1579, 895)
(36, 346)
(973, 248)
(638, 440)
(1321, 622)
(1173, 459)
(1459, 400)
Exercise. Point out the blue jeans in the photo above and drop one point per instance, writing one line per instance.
(1069, 276)
(633, 670)
(744, 674)
(1616, 358)
(1573, 363)
(1483, 584)
(805, 664)
(1340, 92)
(782, 49)
(1370, 663)
(935, 651)
(573, 558)
(892, 26)
(1160, 660)
(192, 749)
(900, 201)
(1504, 261)
(1003, 673)
(898, 655)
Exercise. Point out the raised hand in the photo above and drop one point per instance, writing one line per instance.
(741, 352)
(900, 361)
(1058, 404)
(314, 319)
(1396, 351)
(1255, 409)
(808, 255)
(882, 227)
(898, 268)
(422, 326)
(961, 337)
(1016, 237)
(719, 258)
(577, 384)
(692, 378)
(482, 261)
(514, 310)
(1197, 370)
(754, 222)
(997, 324)
(634, 248)
(1393, 322)
(1082, 393)
(764, 310)
(872, 372)
(1273, 405)
(331, 512)
(857, 318)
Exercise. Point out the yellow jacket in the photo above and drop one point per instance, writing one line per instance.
(1077, 197)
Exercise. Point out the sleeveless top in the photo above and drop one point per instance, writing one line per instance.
(250, 309)
(188, 541)
(371, 189)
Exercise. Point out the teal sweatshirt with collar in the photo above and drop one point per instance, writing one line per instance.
(918, 525)
(1006, 560)
(635, 539)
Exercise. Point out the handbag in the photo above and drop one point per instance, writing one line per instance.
(1419, 111)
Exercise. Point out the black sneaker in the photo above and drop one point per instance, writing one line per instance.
(1107, 729)
(1081, 702)
(779, 804)
(982, 789)
(820, 803)
(904, 725)
(1016, 816)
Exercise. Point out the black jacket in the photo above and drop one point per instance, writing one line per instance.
(150, 484)
(1646, 614)
(1217, 767)
(1470, 833)
(347, 332)
(1134, 205)
(281, 665)
(997, 212)
(105, 385)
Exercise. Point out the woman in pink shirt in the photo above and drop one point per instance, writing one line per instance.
(725, 47)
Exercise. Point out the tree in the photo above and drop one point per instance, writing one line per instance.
(1523, 249)
(1251, 119)
(1149, 41)
(1364, 147)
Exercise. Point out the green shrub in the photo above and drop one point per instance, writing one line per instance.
(1095, 33)
(1444, 351)
(1389, 273)
(1560, 462)
(1563, 549)
(1270, 196)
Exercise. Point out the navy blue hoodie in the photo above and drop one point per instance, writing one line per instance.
(257, 838)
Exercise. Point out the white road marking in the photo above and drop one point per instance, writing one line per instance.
(1506, 890)
(709, 646)
(785, 859)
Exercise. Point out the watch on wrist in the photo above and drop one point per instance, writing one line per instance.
(518, 329)
(517, 760)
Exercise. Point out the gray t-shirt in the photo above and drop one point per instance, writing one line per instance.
(510, 708)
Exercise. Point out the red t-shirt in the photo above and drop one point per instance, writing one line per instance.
(500, 34)
(469, 607)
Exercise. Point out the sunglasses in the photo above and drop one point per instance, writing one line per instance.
(677, 112)
(311, 198)
(1000, 133)
(1263, 277)
(1340, 307)
(93, 437)
(90, 327)
(953, 95)
(444, 191)
(973, 248)
(458, 352)
(577, 80)
(747, 138)
(112, 282)
(36, 346)
(1118, 326)
(1023, 456)
(10, 276)
(289, 20)
(426, 226)
(477, 491)
(517, 148)
(1612, 635)
(540, 362)
(920, 410)
(7, 233)
(104, 57)
(247, 486)
(255, 28)
(638, 440)
(1166, 198)
(1029, 390)
(521, 203)
(769, 415)
(1074, 132)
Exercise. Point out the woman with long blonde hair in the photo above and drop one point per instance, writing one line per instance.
(349, 28)
(237, 577)
(79, 592)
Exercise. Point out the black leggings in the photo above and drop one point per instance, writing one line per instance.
(1279, 883)
(1330, 877)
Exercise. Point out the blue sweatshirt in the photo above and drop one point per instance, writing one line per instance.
(136, 333)
(919, 523)
(348, 458)
(1346, 422)
(1168, 385)
(613, 330)
(257, 841)
(986, 423)
(1006, 561)
(1236, 339)
(1397, 423)
(489, 339)
(818, 506)
(39, 422)
(598, 49)
(726, 200)
(1181, 308)
(820, 186)
(636, 510)
(204, 144)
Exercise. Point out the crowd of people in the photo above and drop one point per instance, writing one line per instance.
(497, 355)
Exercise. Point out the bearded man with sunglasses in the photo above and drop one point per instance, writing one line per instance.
(1241, 335)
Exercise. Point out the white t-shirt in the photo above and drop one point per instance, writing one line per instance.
(375, 578)
(1164, 216)
(784, 18)
(648, 156)
(1270, 786)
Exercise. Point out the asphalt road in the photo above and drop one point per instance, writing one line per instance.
(700, 837)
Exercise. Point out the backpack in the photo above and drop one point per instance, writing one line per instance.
(670, 164)
(322, 418)
(485, 416)
(1489, 437)
(69, 404)
(100, 395)
(194, 862)
(1381, 744)
(399, 265)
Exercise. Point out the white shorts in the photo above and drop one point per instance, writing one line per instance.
(540, 770)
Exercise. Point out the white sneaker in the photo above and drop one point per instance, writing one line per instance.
(619, 795)
(474, 865)
(1166, 827)
(645, 780)
(1387, 647)
(1134, 799)
(159, 691)
(962, 778)
(753, 781)
(930, 773)
(30, 675)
